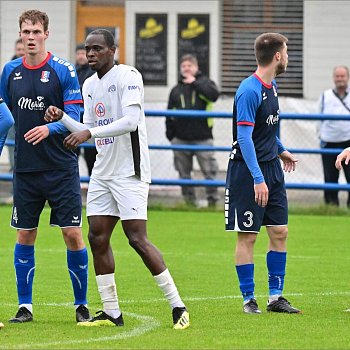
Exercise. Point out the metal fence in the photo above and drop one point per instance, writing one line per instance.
(297, 133)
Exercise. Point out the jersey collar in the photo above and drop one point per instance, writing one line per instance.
(49, 54)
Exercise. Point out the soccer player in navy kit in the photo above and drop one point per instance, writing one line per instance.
(255, 192)
(6, 121)
(44, 169)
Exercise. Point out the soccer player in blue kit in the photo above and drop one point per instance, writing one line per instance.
(44, 169)
(255, 193)
(6, 121)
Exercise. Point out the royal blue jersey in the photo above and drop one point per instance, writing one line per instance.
(29, 91)
(256, 104)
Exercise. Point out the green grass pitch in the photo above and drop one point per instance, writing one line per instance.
(199, 254)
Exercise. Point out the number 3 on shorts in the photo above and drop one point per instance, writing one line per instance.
(249, 221)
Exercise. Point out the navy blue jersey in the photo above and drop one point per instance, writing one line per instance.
(256, 104)
(28, 91)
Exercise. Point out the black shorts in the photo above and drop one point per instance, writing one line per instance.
(61, 188)
(242, 214)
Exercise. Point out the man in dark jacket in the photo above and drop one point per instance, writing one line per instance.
(193, 91)
(84, 71)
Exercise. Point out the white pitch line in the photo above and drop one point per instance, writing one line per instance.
(223, 297)
(147, 324)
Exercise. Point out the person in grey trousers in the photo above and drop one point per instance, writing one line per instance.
(197, 92)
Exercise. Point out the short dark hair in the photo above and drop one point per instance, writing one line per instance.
(80, 47)
(108, 36)
(189, 57)
(34, 16)
(266, 45)
(19, 40)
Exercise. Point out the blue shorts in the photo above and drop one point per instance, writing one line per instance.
(61, 188)
(242, 214)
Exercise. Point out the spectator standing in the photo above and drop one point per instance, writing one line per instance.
(197, 92)
(84, 71)
(335, 133)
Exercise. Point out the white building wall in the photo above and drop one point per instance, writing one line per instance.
(326, 43)
(172, 9)
(61, 14)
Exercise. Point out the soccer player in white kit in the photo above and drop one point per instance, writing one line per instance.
(119, 184)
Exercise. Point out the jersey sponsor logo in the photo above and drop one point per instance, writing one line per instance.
(83, 267)
(100, 110)
(104, 121)
(112, 88)
(17, 76)
(105, 141)
(45, 75)
(133, 87)
(272, 119)
(73, 91)
(28, 103)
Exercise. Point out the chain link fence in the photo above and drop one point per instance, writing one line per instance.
(295, 134)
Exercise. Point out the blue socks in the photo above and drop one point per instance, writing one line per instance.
(276, 266)
(246, 280)
(24, 263)
(78, 270)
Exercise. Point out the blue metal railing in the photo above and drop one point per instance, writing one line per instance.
(225, 115)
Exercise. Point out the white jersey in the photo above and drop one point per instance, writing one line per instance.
(334, 130)
(125, 155)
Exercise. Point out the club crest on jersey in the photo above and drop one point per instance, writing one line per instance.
(100, 110)
(45, 76)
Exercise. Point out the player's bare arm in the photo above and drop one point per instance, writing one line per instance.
(343, 156)
(37, 134)
(53, 113)
(76, 138)
(289, 161)
(261, 194)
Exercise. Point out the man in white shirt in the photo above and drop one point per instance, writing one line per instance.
(118, 189)
(335, 133)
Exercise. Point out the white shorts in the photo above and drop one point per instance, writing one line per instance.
(125, 198)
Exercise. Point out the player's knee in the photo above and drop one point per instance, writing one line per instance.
(279, 234)
(26, 237)
(97, 241)
(246, 239)
(138, 242)
(73, 238)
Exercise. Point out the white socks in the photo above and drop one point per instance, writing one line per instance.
(28, 307)
(166, 284)
(273, 298)
(108, 293)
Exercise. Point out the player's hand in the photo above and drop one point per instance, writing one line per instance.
(188, 79)
(76, 138)
(289, 161)
(261, 194)
(37, 134)
(52, 114)
(345, 155)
